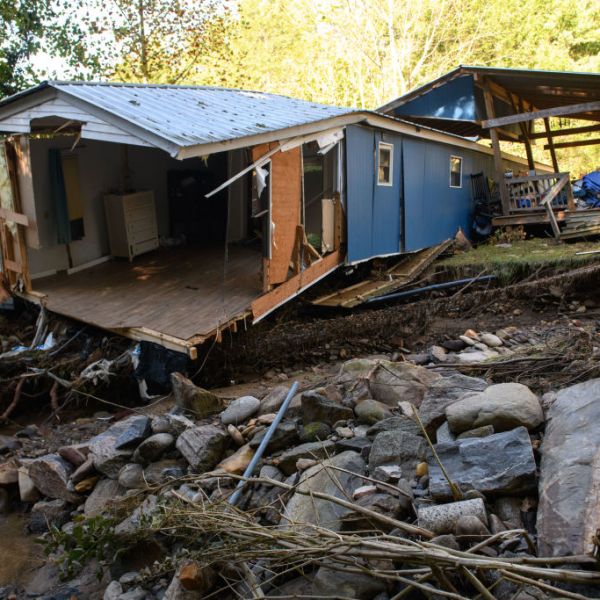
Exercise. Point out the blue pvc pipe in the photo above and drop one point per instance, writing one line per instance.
(263, 445)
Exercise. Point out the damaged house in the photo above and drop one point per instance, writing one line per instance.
(172, 213)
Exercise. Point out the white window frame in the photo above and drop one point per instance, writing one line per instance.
(389, 147)
(460, 158)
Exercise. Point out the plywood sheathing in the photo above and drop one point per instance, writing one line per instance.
(286, 200)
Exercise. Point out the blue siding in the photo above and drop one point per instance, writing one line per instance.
(433, 211)
(374, 212)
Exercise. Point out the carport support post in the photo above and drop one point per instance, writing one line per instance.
(489, 110)
(551, 144)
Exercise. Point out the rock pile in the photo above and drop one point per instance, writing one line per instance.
(391, 442)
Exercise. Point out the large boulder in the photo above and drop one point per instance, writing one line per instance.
(498, 464)
(569, 489)
(504, 406)
(400, 448)
(316, 407)
(303, 508)
(441, 394)
(103, 497)
(202, 446)
(194, 399)
(313, 450)
(50, 475)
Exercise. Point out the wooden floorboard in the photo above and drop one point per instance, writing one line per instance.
(181, 292)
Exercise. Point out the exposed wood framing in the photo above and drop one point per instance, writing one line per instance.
(560, 132)
(298, 283)
(551, 144)
(557, 111)
(573, 144)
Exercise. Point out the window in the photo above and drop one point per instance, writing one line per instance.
(455, 171)
(385, 163)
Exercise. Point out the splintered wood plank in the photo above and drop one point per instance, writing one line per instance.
(396, 277)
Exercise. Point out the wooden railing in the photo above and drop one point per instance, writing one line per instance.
(535, 192)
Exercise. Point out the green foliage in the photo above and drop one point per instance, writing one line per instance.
(89, 539)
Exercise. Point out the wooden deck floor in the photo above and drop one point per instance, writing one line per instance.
(175, 292)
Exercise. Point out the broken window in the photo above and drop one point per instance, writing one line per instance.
(385, 160)
(455, 171)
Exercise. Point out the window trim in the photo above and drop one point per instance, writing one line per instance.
(460, 158)
(390, 147)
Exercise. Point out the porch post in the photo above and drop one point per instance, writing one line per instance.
(551, 144)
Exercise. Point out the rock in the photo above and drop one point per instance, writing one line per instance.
(153, 448)
(46, 513)
(135, 430)
(9, 472)
(442, 518)
(475, 357)
(504, 406)
(569, 489)
(397, 447)
(75, 454)
(496, 525)
(27, 490)
(237, 463)
(240, 410)
(398, 423)
(509, 510)
(438, 354)
(371, 411)
(468, 341)
(300, 587)
(336, 584)
(491, 340)
(470, 526)
(482, 431)
(305, 463)
(193, 576)
(202, 446)
(362, 445)
(454, 345)
(8, 444)
(113, 591)
(316, 407)
(103, 497)
(136, 593)
(502, 463)
(421, 469)
(392, 382)
(159, 472)
(443, 433)
(138, 517)
(284, 436)
(272, 402)
(50, 475)
(442, 393)
(83, 471)
(314, 432)
(106, 457)
(315, 450)
(387, 473)
(171, 423)
(87, 485)
(302, 508)
(131, 477)
(364, 490)
(446, 540)
(194, 399)
(344, 432)
(235, 435)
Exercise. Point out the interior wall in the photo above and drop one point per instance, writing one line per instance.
(101, 171)
(239, 197)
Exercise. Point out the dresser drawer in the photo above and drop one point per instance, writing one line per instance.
(140, 200)
(141, 247)
(143, 224)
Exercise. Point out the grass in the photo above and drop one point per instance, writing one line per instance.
(521, 258)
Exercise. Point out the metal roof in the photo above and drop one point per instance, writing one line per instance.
(187, 116)
(543, 89)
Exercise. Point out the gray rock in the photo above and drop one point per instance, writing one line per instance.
(442, 518)
(285, 435)
(316, 450)
(50, 475)
(482, 431)
(137, 429)
(387, 473)
(443, 433)
(470, 526)
(83, 471)
(502, 463)
(372, 411)
(202, 446)
(569, 490)
(491, 340)
(392, 382)
(27, 490)
(153, 448)
(314, 432)
(446, 540)
(441, 394)
(103, 497)
(398, 447)
(131, 477)
(139, 517)
(398, 423)
(113, 591)
(300, 587)
(46, 513)
(272, 402)
(504, 405)
(335, 584)
(477, 356)
(508, 509)
(194, 399)
(302, 508)
(161, 471)
(136, 593)
(316, 407)
(240, 410)
(106, 457)
(171, 423)
(362, 445)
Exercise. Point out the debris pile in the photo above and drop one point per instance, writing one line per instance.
(390, 479)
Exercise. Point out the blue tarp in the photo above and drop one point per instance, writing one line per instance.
(588, 189)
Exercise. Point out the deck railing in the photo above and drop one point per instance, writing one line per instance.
(534, 192)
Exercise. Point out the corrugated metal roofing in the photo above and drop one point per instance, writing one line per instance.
(192, 115)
